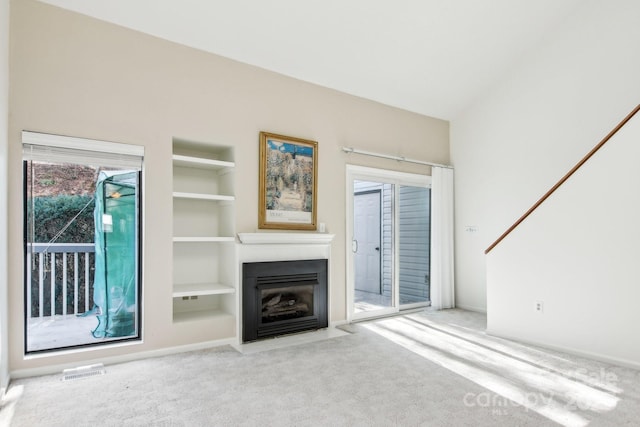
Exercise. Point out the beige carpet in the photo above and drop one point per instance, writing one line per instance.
(421, 369)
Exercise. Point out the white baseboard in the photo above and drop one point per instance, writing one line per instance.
(338, 323)
(52, 369)
(569, 350)
(4, 386)
(471, 308)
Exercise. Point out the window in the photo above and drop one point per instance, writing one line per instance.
(82, 222)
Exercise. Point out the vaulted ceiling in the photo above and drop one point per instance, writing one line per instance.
(433, 57)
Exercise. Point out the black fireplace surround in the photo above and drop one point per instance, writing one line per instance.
(282, 297)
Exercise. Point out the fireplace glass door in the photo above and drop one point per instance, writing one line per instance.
(283, 297)
(293, 301)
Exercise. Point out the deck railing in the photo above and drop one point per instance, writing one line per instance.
(59, 278)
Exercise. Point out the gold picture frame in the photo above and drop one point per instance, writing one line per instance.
(288, 183)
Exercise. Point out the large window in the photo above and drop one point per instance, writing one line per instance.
(82, 222)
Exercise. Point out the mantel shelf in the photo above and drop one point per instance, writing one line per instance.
(286, 238)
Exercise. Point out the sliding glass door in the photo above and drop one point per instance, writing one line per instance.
(389, 241)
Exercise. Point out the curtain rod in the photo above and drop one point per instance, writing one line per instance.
(398, 158)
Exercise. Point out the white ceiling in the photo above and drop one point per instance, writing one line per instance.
(433, 57)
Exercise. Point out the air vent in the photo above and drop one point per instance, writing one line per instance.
(287, 278)
(83, 372)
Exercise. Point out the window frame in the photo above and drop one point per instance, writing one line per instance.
(85, 151)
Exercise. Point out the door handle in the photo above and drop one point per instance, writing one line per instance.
(354, 246)
(378, 249)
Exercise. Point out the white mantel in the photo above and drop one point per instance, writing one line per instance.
(285, 238)
(266, 246)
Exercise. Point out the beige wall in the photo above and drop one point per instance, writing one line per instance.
(4, 115)
(76, 76)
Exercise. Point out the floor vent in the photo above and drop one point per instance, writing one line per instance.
(83, 372)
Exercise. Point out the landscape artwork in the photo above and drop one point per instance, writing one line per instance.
(288, 175)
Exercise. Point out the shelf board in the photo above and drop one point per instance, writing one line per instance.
(201, 162)
(187, 316)
(201, 239)
(202, 196)
(191, 289)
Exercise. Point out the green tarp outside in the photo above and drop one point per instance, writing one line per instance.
(115, 287)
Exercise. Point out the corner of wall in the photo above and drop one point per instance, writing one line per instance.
(4, 117)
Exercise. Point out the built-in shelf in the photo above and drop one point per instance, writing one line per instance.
(204, 264)
(188, 316)
(201, 196)
(196, 289)
(200, 162)
(209, 239)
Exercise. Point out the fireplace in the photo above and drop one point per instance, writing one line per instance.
(282, 297)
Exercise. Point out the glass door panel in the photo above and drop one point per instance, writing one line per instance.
(414, 243)
(372, 246)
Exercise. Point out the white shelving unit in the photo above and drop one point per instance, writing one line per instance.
(204, 288)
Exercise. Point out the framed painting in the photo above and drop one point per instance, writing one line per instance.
(288, 182)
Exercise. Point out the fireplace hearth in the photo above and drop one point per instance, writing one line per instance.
(282, 297)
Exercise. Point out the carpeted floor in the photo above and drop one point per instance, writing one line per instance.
(420, 369)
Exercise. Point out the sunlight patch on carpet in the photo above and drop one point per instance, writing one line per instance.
(8, 404)
(557, 394)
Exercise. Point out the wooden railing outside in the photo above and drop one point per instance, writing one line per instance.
(59, 278)
(563, 179)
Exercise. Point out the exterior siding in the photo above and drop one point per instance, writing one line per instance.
(387, 238)
(415, 237)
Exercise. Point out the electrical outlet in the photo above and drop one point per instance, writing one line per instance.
(538, 306)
